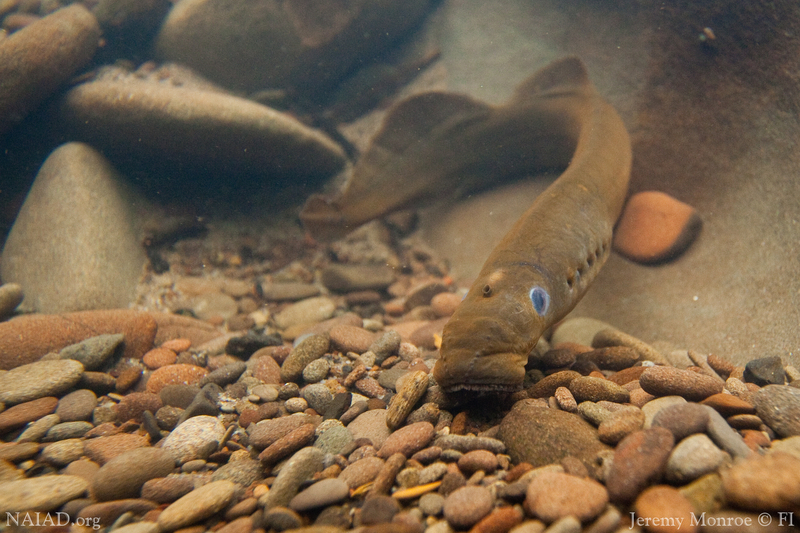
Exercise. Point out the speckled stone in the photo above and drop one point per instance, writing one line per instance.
(36, 380)
(318, 396)
(133, 405)
(620, 424)
(655, 405)
(197, 505)
(464, 507)
(266, 432)
(764, 483)
(180, 374)
(310, 349)
(288, 444)
(385, 345)
(476, 460)
(554, 495)
(408, 440)
(668, 381)
(351, 338)
(320, 494)
(334, 439)
(542, 436)
(103, 449)
(316, 371)
(94, 351)
(693, 457)
(21, 414)
(779, 407)
(587, 388)
(303, 464)
(77, 405)
(243, 472)
(673, 511)
(725, 436)
(362, 471)
(158, 357)
(63, 452)
(68, 430)
(45, 493)
(639, 460)
(196, 438)
(413, 388)
(168, 489)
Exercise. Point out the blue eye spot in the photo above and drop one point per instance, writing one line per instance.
(540, 300)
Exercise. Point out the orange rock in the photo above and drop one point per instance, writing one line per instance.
(26, 338)
(174, 375)
(158, 357)
(655, 227)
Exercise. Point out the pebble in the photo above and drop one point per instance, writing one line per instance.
(542, 436)
(288, 290)
(63, 452)
(611, 357)
(93, 352)
(288, 444)
(587, 388)
(267, 370)
(476, 460)
(548, 385)
(179, 374)
(106, 513)
(158, 357)
(379, 509)
(362, 471)
(225, 375)
(243, 471)
(614, 337)
(310, 349)
(266, 432)
(667, 381)
(431, 504)
(44, 493)
(657, 404)
(765, 371)
(408, 440)
(666, 509)
(303, 464)
(133, 405)
(22, 413)
(370, 425)
(36, 380)
(655, 227)
(682, 419)
(385, 345)
(77, 405)
(729, 405)
(554, 495)
(464, 507)
(445, 303)
(196, 438)
(37, 429)
(316, 371)
(68, 430)
(693, 457)
(318, 396)
(764, 483)
(10, 297)
(320, 494)
(620, 424)
(123, 476)
(779, 407)
(308, 311)
(351, 338)
(401, 405)
(639, 460)
(197, 505)
(179, 395)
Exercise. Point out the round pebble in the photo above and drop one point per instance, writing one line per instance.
(408, 440)
(362, 471)
(693, 457)
(464, 507)
(36, 380)
(310, 349)
(351, 338)
(196, 438)
(587, 388)
(370, 425)
(316, 371)
(133, 406)
(158, 357)
(379, 509)
(655, 227)
(308, 311)
(554, 495)
(180, 374)
(318, 396)
(476, 460)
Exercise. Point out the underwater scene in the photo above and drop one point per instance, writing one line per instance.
(399, 266)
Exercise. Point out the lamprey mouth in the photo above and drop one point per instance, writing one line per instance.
(460, 370)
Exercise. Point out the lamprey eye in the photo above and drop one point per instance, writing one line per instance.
(540, 300)
(487, 291)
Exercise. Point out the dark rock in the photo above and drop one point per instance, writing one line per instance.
(765, 371)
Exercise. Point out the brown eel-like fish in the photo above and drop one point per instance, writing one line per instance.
(544, 265)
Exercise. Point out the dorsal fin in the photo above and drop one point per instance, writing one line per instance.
(416, 118)
(564, 75)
